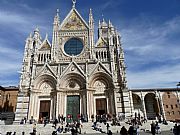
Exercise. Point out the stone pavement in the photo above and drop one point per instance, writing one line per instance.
(87, 129)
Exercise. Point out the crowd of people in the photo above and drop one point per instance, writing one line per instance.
(68, 124)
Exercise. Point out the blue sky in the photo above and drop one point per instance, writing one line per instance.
(150, 31)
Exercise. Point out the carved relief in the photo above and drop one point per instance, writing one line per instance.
(45, 88)
(74, 23)
(99, 86)
(73, 85)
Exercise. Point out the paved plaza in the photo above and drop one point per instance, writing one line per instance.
(86, 129)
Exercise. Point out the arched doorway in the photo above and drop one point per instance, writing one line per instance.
(152, 107)
(73, 87)
(137, 103)
(103, 94)
(43, 98)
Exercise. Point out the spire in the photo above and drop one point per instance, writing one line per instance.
(36, 34)
(56, 18)
(57, 12)
(91, 31)
(46, 37)
(103, 24)
(74, 3)
(91, 20)
(99, 24)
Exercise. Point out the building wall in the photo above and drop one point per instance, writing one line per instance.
(8, 99)
(53, 72)
(167, 102)
(171, 105)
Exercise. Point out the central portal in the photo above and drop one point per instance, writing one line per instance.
(73, 107)
(101, 106)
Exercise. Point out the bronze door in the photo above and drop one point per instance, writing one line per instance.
(44, 110)
(73, 107)
(101, 106)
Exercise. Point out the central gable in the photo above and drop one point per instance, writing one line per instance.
(74, 21)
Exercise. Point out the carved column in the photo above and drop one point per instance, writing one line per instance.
(161, 105)
(143, 105)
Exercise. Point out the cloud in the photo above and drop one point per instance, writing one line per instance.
(152, 42)
(158, 78)
(152, 53)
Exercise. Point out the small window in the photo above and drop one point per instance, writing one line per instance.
(166, 106)
(176, 106)
(169, 96)
(171, 106)
(173, 112)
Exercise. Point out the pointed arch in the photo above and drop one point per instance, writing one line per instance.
(50, 80)
(102, 77)
(73, 81)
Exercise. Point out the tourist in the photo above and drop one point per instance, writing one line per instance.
(107, 126)
(123, 131)
(34, 128)
(109, 132)
(92, 117)
(153, 128)
(54, 133)
(175, 130)
(45, 121)
(131, 130)
(59, 118)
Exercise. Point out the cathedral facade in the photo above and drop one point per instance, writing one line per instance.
(74, 74)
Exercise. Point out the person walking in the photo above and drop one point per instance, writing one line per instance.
(153, 128)
(123, 131)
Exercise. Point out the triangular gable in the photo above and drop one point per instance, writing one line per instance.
(100, 68)
(101, 42)
(46, 69)
(45, 45)
(74, 21)
(73, 67)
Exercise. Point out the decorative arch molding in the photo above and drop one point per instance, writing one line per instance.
(48, 79)
(103, 78)
(73, 81)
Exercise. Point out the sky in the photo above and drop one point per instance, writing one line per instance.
(150, 35)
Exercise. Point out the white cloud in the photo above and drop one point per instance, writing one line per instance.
(152, 40)
(162, 77)
(152, 43)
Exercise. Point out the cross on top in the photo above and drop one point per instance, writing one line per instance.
(74, 3)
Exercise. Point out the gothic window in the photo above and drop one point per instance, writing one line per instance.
(171, 106)
(108, 55)
(102, 55)
(39, 57)
(97, 55)
(105, 55)
(73, 47)
(50, 56)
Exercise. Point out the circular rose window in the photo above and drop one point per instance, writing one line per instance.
(73, 47)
